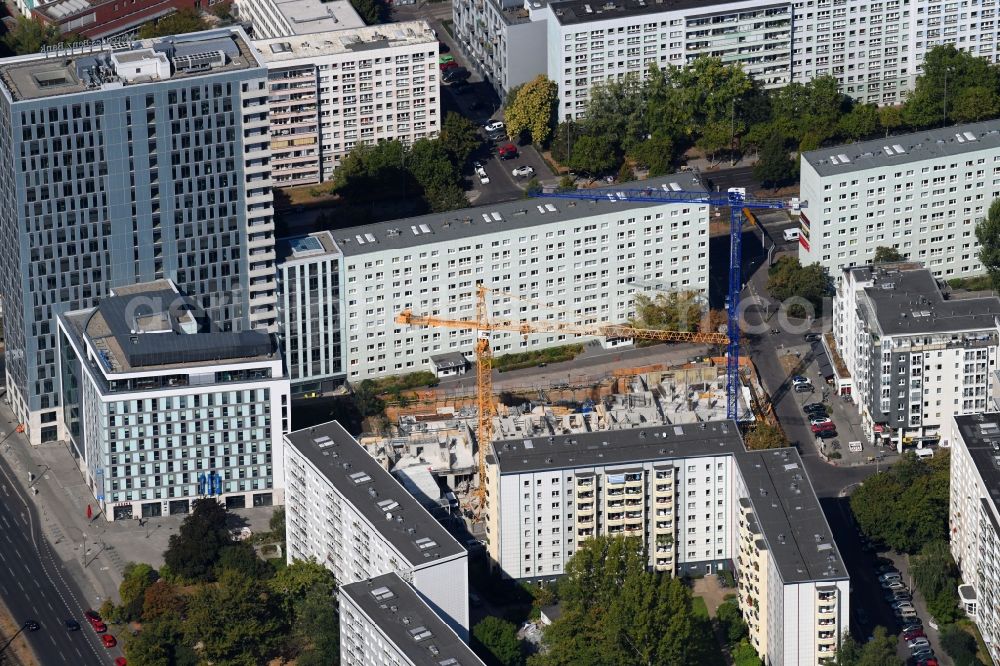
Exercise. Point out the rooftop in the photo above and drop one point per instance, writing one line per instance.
(449, 361)
(905, 148)
(789, 516)
(375, 494)
(616, 447)
(311, 16)
(585, 11)
(981, 435)
(409, 623)
(905, 299)
(520, 214)
(345, 40)
(72, 70)
(311, 246)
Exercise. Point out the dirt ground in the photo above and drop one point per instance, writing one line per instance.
(18, 654)
(714, 594)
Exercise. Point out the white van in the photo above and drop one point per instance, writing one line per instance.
(791, 235)
(925, 453)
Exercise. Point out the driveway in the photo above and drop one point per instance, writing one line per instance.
(902, 563)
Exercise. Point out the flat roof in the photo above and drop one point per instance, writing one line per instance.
(374, 492)
(311, 16)
(789, 516)
(981, 435)
(69, 70)
(568, 12)
(617, 447)
(905, 148)
(151, 326)
(907, 300)
(341, 40)
(409, 623)
(511, 215)
(310, 246)
(449, 360)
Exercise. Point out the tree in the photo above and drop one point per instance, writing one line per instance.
(885, 254)
(532, 109)
(29, 36)
(277, 523)
(988, 235)
(656, 153)
(294, 582)
(774, 167)
(223, 11)
(890, 118)
(595, 155)
(862, 122)
(193, 552)
(242, 557)
(879, 651)
(731, 621)
(137, 578)
(948, 75)
(460, 138)
(716, 137)
(160, 643)
(788, 278)
(237, 621)
(744, 655)
(367, 400)
(974, 104)
(765, 436)
(371, 11)
(496, 642)
(960, 645)
(907, 506)
(673, 311)
(180, 22)
(936, 576)
(317, 622)
(616, 611)
(162, 600)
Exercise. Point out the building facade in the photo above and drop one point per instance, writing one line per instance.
(331, 91)
(286, 18)
(385, 622)
(920, 193)
(581, 260)
(162, 408)
(97, 19)
(129, 165)
(974, 518)
(309, 311)
(344, 510)
(916, 358)
(671, 486)
(794, 590)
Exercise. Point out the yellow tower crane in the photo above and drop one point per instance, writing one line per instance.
(484, 324)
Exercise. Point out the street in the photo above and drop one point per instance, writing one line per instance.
(33, 586)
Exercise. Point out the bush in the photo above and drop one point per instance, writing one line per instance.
(533, 358)
(977, 283)
(731, 622)
(960, 644)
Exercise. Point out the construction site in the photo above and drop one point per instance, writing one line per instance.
(431, 445)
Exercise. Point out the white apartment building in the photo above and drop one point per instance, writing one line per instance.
(584, 260)
(670, 485)
(915, 358)
(874, 49)
(286, 18)
(161, 408)
(309, 311)
(793, 585)
(921, 193)
(333, 90)
(974, 518)
(347, 512)
(385, 622)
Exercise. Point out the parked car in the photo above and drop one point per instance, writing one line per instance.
(507, 151)
(814, 405)
(918, 642)
(99, 627)
(448, 64)
(442, 59)
(494, 126)
(928, 662)
(890, 575)
(906, 613)
(820, 427)
(109, 641)
(813, 337)
(523, 171)
(92, 616)
(455, 74)
(902, 605)
(913, 633)
(820, 420)
(819, 410)
(804, 388)
(826, 434)
(121, 661)
(72, 625)
(799, 379)
(922, 653)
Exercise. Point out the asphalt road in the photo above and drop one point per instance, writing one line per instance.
(33, 585)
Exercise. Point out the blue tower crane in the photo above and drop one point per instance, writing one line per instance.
(736, 199)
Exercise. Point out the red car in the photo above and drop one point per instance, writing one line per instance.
(109, 641)
(99, 626)
(92, 616)
(445, 66)
(823, 426)
(120, 661)
(913, 633)
(507, 151)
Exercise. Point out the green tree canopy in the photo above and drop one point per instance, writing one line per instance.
(885, 254)
(861, 123)
(960, 645)
(788, 278)
(765, 436)
(988, 235)
(29, 36)
(496, 642)
(595, 155)
(160, 644)
(460, 138)
(532, 110)
(372, 11)
(193, 552)
(879, 651)
(616, 611)
(137, 578)
(944, 91)
(673, 311)
(180, 22)
(774, 166)
(907, 506)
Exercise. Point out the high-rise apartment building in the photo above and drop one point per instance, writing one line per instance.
(915, 358)
(331, 91)
(875, 50)
(309, 311)
(974, 519)
(921, 193)
(130, 165)
(162, 408)
(348, 513)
